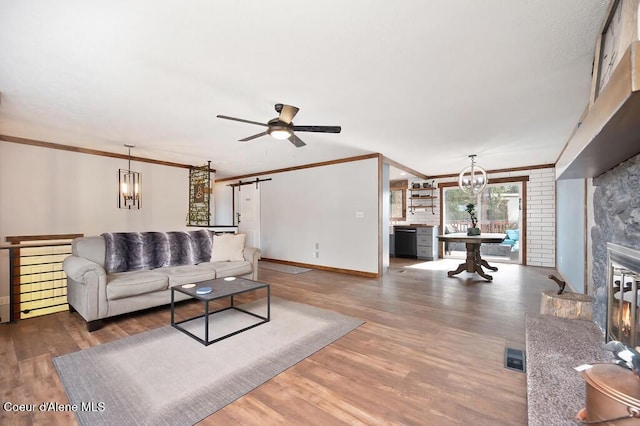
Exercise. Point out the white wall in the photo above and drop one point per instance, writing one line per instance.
(571, 232)
(47, 191)
(318, 205)
(223, 201)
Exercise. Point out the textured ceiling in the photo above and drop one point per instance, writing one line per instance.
(425, 83)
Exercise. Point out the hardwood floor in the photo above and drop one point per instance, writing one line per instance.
(430, 353)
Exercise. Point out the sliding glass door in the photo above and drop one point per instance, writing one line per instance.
(499, 209)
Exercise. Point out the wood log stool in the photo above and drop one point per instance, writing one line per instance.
(567, 305)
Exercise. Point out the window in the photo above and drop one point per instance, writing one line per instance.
(398, 190)
(499, 210)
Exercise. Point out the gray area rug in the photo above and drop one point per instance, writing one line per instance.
(164, 377)
(280, 267)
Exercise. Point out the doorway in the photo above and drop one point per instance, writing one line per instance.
(247, 217)
(500, 210)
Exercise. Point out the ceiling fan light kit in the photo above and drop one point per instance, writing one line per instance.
(279, 132)
(282, 127)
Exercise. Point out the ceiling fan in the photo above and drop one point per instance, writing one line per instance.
(282, 127)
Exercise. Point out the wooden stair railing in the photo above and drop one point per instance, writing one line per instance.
(15, 247)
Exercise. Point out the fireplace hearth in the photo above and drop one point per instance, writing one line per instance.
(623, 299)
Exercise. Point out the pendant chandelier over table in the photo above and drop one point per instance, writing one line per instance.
(473, 178)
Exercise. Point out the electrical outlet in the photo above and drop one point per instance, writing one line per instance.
(4, 300)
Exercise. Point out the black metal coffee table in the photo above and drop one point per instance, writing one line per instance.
(221, 287)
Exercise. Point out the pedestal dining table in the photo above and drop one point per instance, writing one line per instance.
(474, 262)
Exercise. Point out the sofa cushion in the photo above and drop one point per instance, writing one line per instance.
(228, 247)
(187, 274)
(126, 284)
(228, 269)
(512, 234)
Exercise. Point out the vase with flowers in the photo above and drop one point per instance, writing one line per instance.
(473, 230)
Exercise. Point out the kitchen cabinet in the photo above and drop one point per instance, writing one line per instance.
(416, 241)
(427, 242)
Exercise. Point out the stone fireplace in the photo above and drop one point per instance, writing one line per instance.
(616, 204)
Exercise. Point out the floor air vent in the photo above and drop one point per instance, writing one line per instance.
(514, 359)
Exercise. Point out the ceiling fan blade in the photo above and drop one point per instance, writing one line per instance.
(296, 141)
(321, 129)
(248, 138)
(287, 113)
(226, 117)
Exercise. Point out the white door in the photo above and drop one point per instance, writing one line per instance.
(248, 213)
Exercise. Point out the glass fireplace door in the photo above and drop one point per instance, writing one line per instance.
(623, 301)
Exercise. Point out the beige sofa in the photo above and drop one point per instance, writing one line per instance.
(117, 273)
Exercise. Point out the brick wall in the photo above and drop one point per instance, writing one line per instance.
(541, 218)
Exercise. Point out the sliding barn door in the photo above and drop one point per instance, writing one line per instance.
(248, 213)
